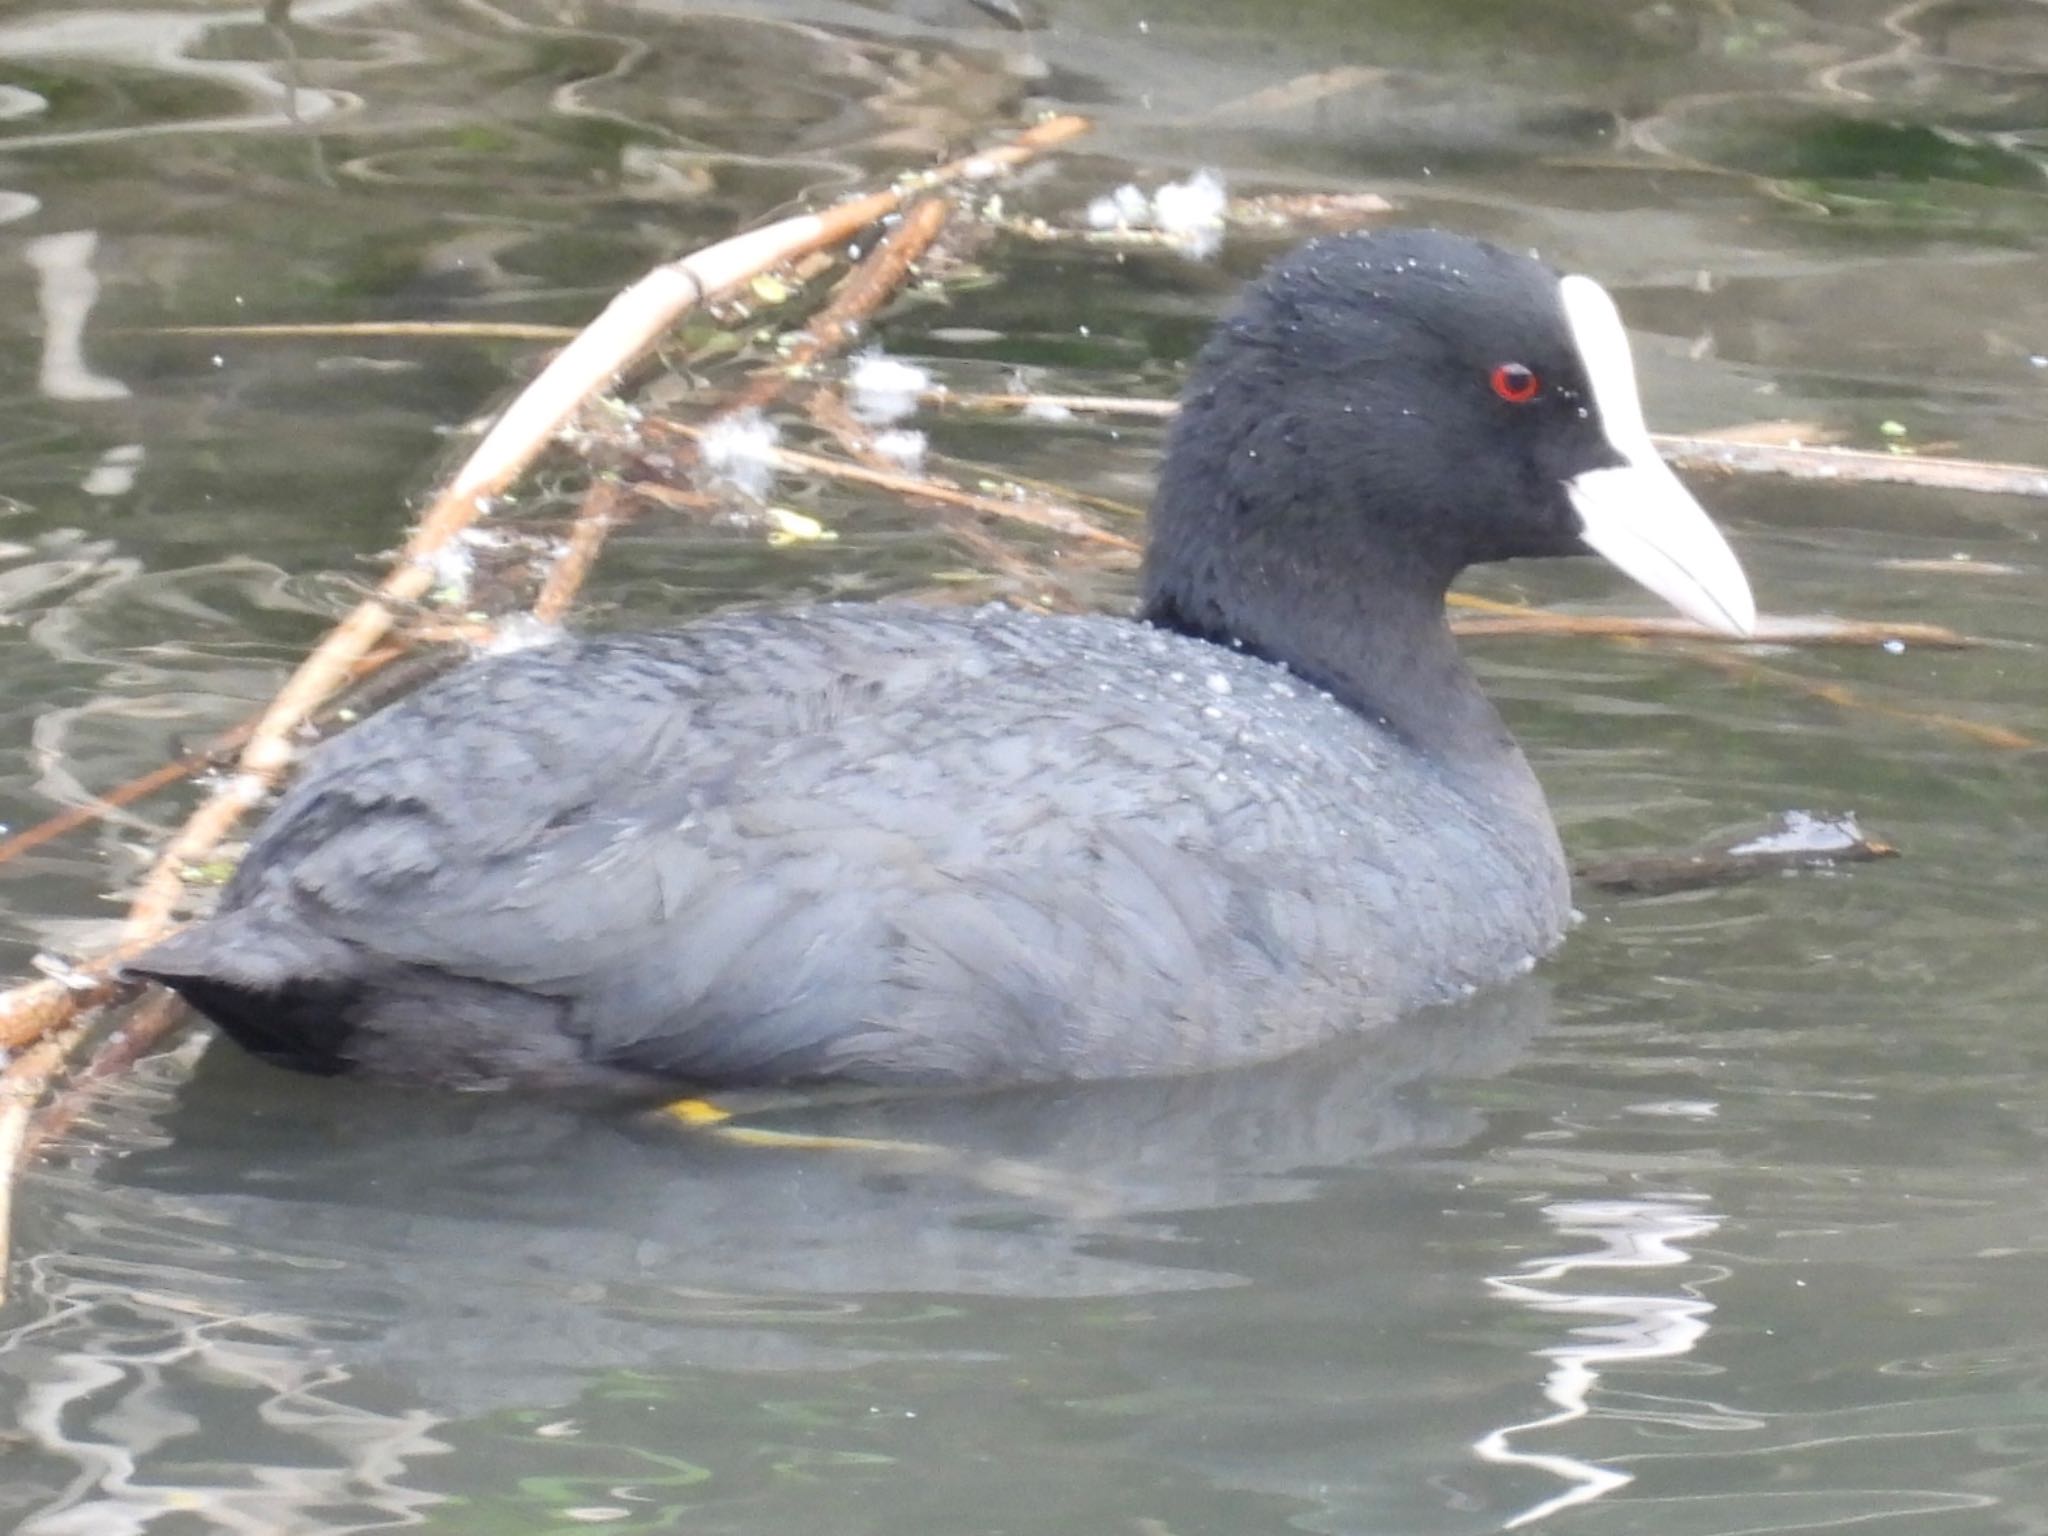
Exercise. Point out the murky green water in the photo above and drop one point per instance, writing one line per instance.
(1735, 1221)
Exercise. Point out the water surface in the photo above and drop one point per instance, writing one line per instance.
(1732, 1220)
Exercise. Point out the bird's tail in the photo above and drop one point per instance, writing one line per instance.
(282, 993)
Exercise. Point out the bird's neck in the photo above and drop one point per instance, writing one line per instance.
(1378, 642)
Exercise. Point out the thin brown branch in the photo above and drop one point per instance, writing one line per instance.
(1263, 105)
(867, 288)
(1778, 431)
(147, 1023)
(432, 330)
(215, 754)
(1058, 519)
(1080, 405)
(676, 498)
(21, 1088)
(1846, 466)
(1665, 874)
(879, 277)
(1769, 630)
(1046, 489)
(162, 1012)
(218, 753)
(601, 510)
(638, 317)
(616, 339)
(1748, 669)
(626, 328)
(826, 408)
(1853, 466)
(1728, 655)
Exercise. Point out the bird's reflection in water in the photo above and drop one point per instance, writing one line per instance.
(494, 1250)
(358, 1268)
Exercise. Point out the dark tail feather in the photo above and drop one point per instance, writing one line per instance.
(285, 996)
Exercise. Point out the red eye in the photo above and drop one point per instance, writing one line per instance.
(1516, 384)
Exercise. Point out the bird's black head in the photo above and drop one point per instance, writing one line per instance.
(1381, 410)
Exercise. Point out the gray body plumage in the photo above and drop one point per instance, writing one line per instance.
(892, 844)
(879, 843)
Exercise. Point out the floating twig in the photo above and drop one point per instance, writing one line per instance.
(429, 330)
(1844, 697)
(1739, 454)
(858, 297)
(1047, 490)
(1291, 95)
(217, 753)
(1952, 565)
(829, 411)
(1778, 431)
(1051, 516)
(637, 318)
(1769, 630)
(1798, 841)
(601, 510)
(1080, 405)
(627, 328)
(676, 498)
(1854, 466)
(877, 280)
(21, 1089)
(866, 289)
(220, 752)
(1729, 656)
(147, 1023)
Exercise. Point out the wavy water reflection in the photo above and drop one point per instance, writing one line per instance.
(66, 290)
(171, 46)
(1375, 1293)
(1633, 1235)
(477, 1256)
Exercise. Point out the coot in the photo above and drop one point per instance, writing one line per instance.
(892, 844)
